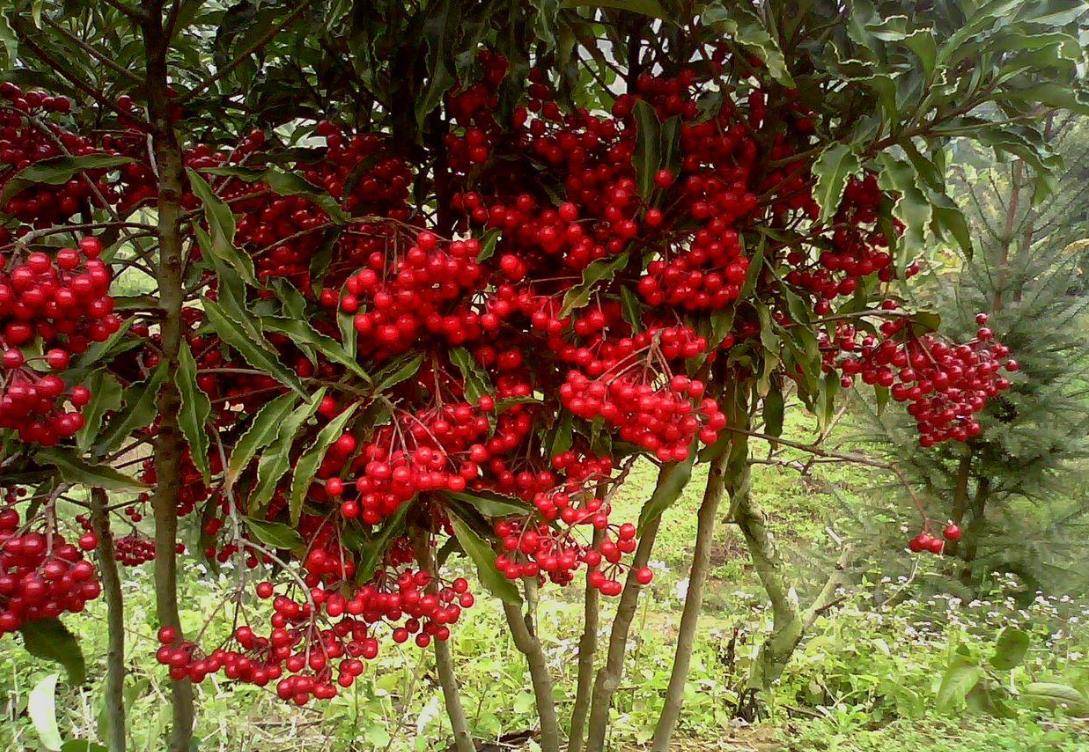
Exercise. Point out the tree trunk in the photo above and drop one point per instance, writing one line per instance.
(524, 632)
(115, 623)
(591, 618)
(693, 603)
(608, 677)
(973, 532)
(169, 444)
(444, 661)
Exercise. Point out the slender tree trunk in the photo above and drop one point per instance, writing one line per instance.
(960, 496)
(115, 624)
(169, 444)
(444, 661)
(787, 624)
(591, 618)
(608, 677)
(693, 603)
(973, 532)
(524, 632)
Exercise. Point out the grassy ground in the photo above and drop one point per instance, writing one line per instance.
(865, 681)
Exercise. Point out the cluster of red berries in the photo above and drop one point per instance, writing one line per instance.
(62, 303)
(661, 418)
(41, 575)
(317, 645)
(945, 385)
(425, 289)
(924, 541)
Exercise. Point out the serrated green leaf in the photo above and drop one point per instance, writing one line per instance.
(477, 383)
(307, 464)
(51, 640)
(285, 183)
(672, 479)
(746, 29)
(75, 470)
(57, 171)
(276, 460)
(599, 271)
(217, 243)
(836, 164)
(262, 431)
(195, 409)
(491, 504)
(301, 333)
(105, 398)
(258, 353)
(275, 534)
(139, 411)
(911, 206)
(397, 371)
(483, 557)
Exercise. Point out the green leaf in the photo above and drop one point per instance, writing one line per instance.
(195, 409)
(258, 353)
(286, 183)
(51, 640)
(9, 41)
(773, 412)
(57, 171)
(836, 164)
(75, 470)
(139, 411)
(564, 435)
(477, 383)
(398, 370)
(79, 745)
(631, 310)
(375, 550)
(483, 557)
(491, 504)
(217, 243)
(599, 271)
(307, 465)
(42, 708)
(262, 431)
(1052, 694)
(116, 343)
(276, 460)
(105, 397)
(1010, 649)
(911, 206)
(275, 534)
(301, 333)
(746, 29)
(959, 679)
(671, 482)
(648, 146)
(487, 247)
(650, 8)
